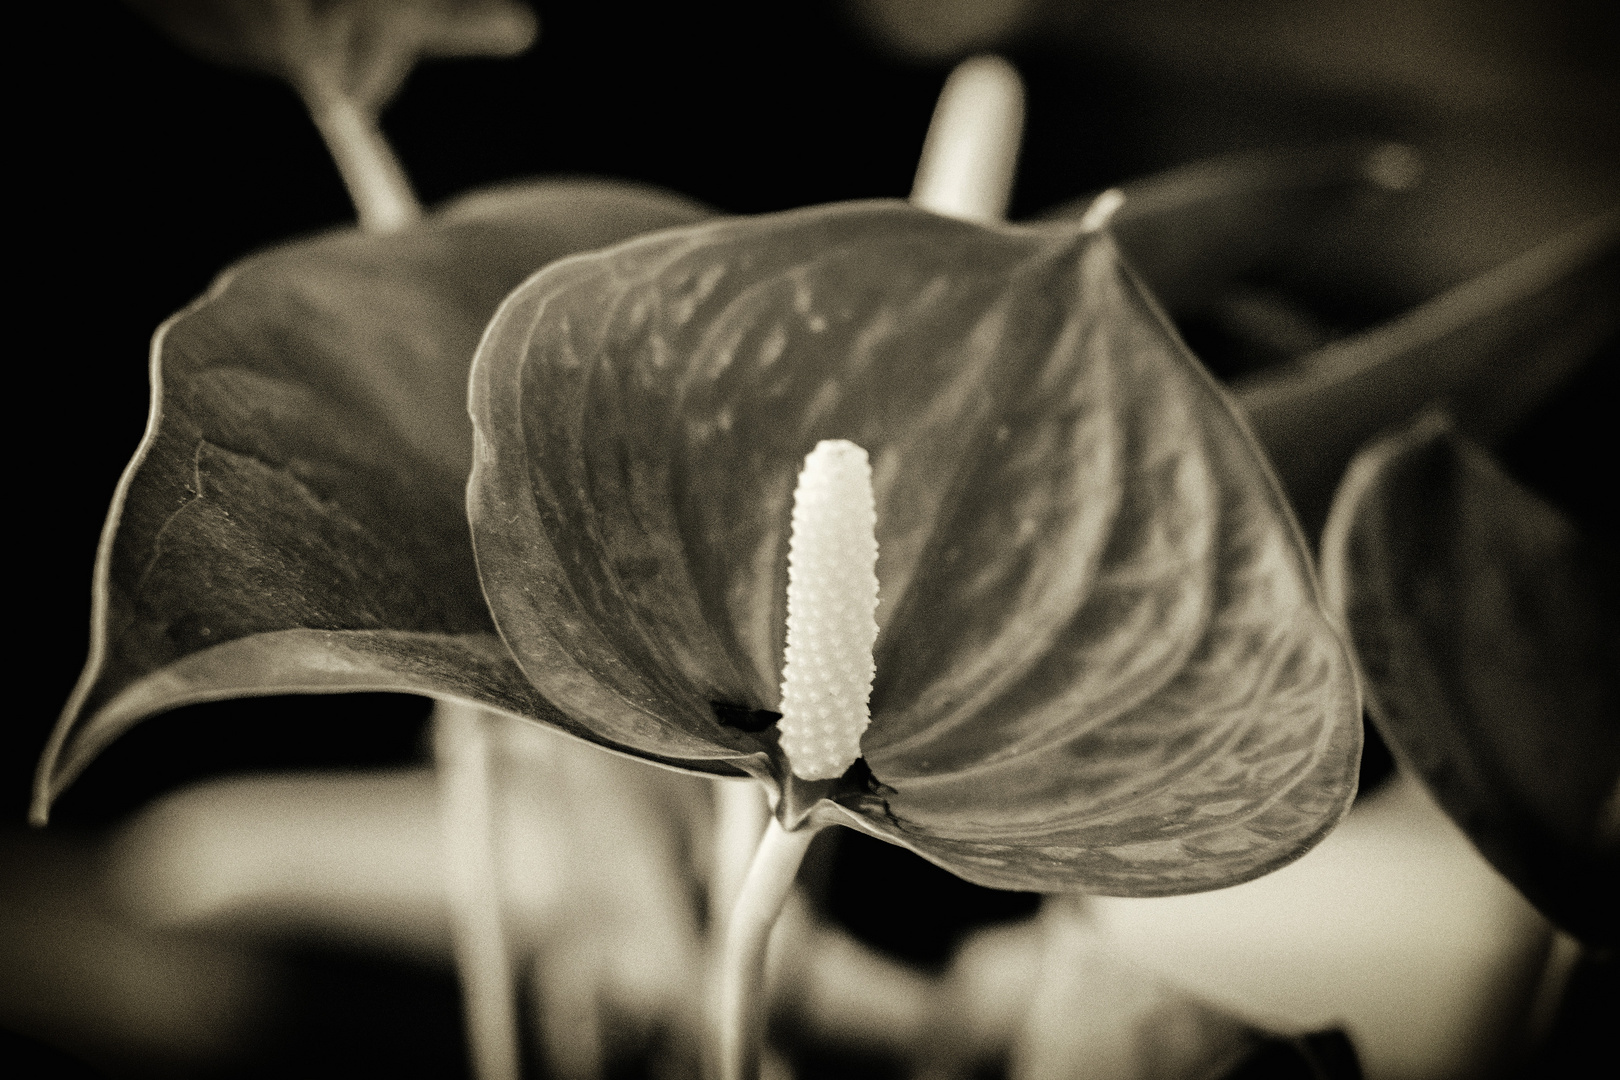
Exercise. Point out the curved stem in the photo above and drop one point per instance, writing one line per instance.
(971, 152)
(382, 195)
(472, 887)
(741, 1004)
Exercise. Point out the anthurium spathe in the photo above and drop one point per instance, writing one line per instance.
(1102, 663)
(292, 521)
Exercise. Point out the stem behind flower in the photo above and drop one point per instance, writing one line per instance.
(472, 886)
(376, 182)
(741, 994)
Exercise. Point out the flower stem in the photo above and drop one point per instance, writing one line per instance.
(971, 152)
(472, 886)
(377, 185)
(740, 816)
(741, 1019)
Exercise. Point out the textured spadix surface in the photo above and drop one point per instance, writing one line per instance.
(1488, 629)
(293, 519)
(832, 595)
(1102, 661)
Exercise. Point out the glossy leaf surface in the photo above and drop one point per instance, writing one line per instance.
(294, 517)
(1488, 630)
(1101, 665)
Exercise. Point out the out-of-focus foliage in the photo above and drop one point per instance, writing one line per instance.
(935, 30)
(360, 48)
(74, 972)
(1238, 240)
(1492, 349)
(1094, 1015)
(1488, 630)
(1394, 929)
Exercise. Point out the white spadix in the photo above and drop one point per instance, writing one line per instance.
(832, 594)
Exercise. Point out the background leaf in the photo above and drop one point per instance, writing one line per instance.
(1284, 245)
(361, 48)
(293, 520)
(1102, 664)
(1488, 630)
(1195, 231)
(1489, 350)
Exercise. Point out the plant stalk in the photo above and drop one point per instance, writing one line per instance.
(741, 814)
(741, 1001)
(472, 887)
(377, 185)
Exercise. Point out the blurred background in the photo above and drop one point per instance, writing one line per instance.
(143, 171)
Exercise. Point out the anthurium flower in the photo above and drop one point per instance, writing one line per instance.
(292, 520)
(352, 351)
(1102, 663)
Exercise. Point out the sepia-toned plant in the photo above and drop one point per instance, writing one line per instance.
(534, 454)
(1488, 628)
(1101, 662)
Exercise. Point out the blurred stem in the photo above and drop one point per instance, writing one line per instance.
(741, 1002)
(472, 886)
(971, 153)
(740, 816)
(377, 185)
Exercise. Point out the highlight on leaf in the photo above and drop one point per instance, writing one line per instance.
(1102, 662)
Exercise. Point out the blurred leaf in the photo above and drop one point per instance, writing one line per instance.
(1490, 350)
(1102, 662)
(1193, 232)
(943, 30)
(130, 999)
(1488, 631)
(360, 48)
(1491, 347)
(1095, 1015)
(294, 517)
(1583, 1030)
(595, 872)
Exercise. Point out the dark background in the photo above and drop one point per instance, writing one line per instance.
(145, 171)
(149, 171)
(142, 172)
